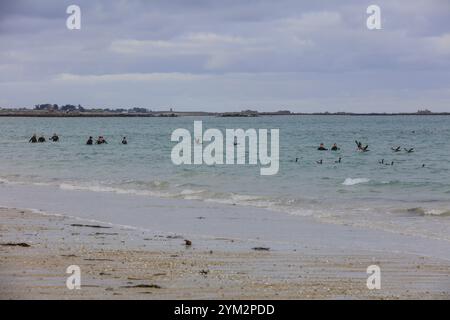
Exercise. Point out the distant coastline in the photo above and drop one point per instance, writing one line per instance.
(73, 112)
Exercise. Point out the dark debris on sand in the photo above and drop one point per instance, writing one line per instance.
(89, 226)
(261, 249)
(20, 244)
(142, 286)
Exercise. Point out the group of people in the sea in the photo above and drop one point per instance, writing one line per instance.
(334, 147)
(90, 141)
(361, 148)
(41, 139)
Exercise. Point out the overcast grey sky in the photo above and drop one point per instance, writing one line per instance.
(227, 55)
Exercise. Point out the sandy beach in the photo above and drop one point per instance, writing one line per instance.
(121, 263)
(224, 150)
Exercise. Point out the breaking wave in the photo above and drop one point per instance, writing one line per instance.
(352, 182)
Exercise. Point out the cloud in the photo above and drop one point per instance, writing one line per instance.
(441, 44)
(218, 51)
(223, 54)
(126, 77)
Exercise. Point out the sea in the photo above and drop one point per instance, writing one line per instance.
(399, 192)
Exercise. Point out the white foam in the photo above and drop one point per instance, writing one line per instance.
(190, 191)
(100, 188)
(352, 182)
(437, 212)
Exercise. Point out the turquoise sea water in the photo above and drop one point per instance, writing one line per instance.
(405, 197)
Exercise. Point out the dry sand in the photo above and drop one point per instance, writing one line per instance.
(119, 263)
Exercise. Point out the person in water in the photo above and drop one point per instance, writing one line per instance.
(54, 138)
(41, 139)
(90, 141)
(124, 140)
(101, 140)
(33, 139)
(335, 147)
(360, 146)
(322, 147)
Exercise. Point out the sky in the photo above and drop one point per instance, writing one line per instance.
(228, 55)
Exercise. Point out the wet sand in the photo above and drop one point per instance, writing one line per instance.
(122, 263)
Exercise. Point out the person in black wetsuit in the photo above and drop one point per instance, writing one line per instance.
(335, 147)
(322, 147)
(360, 146)
(54, 138)
(90, 141)
(41, 139)
(101, 140)
(124, 140)
(33, 139)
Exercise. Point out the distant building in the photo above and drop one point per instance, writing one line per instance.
(249, 112)
(138, 110)
(46, 106)
(283, 112)
(425, 111)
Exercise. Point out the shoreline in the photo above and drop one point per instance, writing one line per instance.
(170, 114)
(122, 263)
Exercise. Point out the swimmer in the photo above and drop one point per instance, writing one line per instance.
(381, 162)
(124, 140)
(411, 150)
(335, 147)
(101, 140)
(397, 149)
(33, 139)
(296, 159)
(423, 165)
(319, 162)
(322, 147)
(90, 141)
(41, 139)
(360, 146)
(54, 138)
(339, 160)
